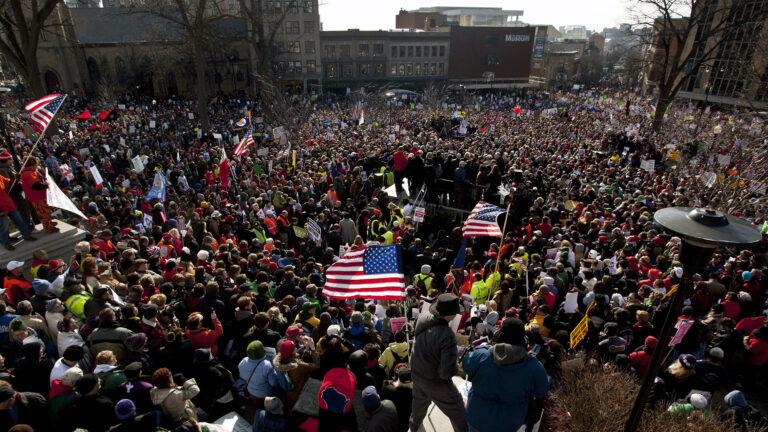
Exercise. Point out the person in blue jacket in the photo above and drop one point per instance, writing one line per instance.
(503, 377)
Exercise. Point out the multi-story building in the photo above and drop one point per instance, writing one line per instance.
(407, 59)
(296, 49)
(434, 18)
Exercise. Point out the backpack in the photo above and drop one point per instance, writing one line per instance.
(398, 360)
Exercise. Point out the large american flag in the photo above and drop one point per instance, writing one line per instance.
(246, 142)
(371, 272)
(41, 111)
(482, 221)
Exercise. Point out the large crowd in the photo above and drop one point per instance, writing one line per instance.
(179, 309)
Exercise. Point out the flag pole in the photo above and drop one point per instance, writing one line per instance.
(34, 147)
(503, 230)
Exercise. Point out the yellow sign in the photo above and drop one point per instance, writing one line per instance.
(672, 156)
(581, 329)
(670, 292)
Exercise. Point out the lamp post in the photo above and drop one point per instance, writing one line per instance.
(701, 232)
(389, 95)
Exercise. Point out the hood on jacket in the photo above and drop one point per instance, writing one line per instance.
(356, 329)
(399, 348)
(58, 388)
(506, 354)
(283, 367)
(158, 395)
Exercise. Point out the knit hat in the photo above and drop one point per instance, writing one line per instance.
(356, 317)
(16, 325)
(403, 372)
(125, 409)
(688, 361)
(202, 355)
(137, 341)
(307, 306)
(86, 384)
(654, 273)
(287, 349)
(73, 353)
(333, 330)
(337, 390)
(699, 401)
(716, 353)
(371, 399)
(512, 332)
(72, 375)
(255, 350)
(651, 342)
(51, 304)
(293, 331)
(149, 311)
(736, 399)
(367, 316)
(5, 155)
(273, 405)
(41, 286)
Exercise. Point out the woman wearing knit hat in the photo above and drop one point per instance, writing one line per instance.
(125, 410)
(296, 367)
(258, 373)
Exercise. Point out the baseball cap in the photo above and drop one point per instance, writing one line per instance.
(293, 331)
(13, 265)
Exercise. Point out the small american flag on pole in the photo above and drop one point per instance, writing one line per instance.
(41, 111)
(371, 272)
(482, 221)
(246, 142)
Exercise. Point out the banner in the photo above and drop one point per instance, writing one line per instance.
(57, 198)
(157, 190)
(96, 175)
(299, 232)
(138, 165)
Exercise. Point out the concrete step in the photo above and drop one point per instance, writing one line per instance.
(60, 245)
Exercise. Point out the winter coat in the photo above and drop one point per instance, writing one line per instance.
(176, 401)
(206, 338)
(434, 356)
(503, 378)
(389, 358)
(298, 372)
(260, 375)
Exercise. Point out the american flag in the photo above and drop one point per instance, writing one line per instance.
(246, 142)
(371, 272)
(482, 221)
(41, 111)
(357, 110)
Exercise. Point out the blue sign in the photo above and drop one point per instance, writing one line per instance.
(538, 48)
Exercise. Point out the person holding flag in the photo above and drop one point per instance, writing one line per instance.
(243, 124)
(224, 170)
(35, 189)
(242, 146)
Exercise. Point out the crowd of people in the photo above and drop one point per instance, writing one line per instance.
(208, 298)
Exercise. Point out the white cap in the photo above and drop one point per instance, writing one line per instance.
(13, 265)
(202, 255)
(333, 330)
(678, 271)
(185, 249)
(425, 269)
(698, 401)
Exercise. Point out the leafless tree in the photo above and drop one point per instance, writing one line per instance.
(21, 23)
(196, 21)
(687, 35)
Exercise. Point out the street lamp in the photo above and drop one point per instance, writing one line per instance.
(701, 231)
(389, 95)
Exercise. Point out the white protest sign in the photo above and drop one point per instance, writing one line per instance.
(191, 116)
(571, 302)
(343, 250)
(418, 214)
(131, 129)
(96, 175)
(121, 106)
(138, 165)
(262, 152)
(218, 136)
(152, 124)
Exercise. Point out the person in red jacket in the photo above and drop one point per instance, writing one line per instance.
(641, 359)
(35, 189)
(201, 337)
(9, 212)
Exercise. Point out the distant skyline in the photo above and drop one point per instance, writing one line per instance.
(380, 15)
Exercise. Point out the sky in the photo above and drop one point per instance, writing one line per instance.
(380, 14)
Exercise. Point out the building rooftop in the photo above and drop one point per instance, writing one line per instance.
(466, 10)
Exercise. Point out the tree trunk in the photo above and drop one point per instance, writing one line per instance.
(32, 77)
(661, 108)
(202, 93)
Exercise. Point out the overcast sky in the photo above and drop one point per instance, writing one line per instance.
(380, 14)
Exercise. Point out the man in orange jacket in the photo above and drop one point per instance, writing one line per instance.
(35, 189)
(201, 337)
(8, 212)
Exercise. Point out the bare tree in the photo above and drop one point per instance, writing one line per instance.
(687, 35)
(263, 25)
(196, 21)
(22, 22)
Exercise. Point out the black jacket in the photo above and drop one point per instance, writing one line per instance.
(29, 406)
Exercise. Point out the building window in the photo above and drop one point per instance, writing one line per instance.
(311, 66)
(364, 69)
(442, 50)
(330, 71)
(378, 50)
(279, 47)
(418, 51)
(393, 71)
(410, 51)
(433, 69)
(309, 26)
(330, 50)
(309, 47)
(346, 71)
(401, 69)
(426, 51)
(441, 69)
(362, 50)
(344, 51)
(491, 60)
(294, 66)
(293, 6)
(292, 27)
(274, 6)
(434, 50)
(425, 69)
(409, 69)
(378, 70)
(294, 47)
(418, 69)
(401, 51)
(308, 6)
